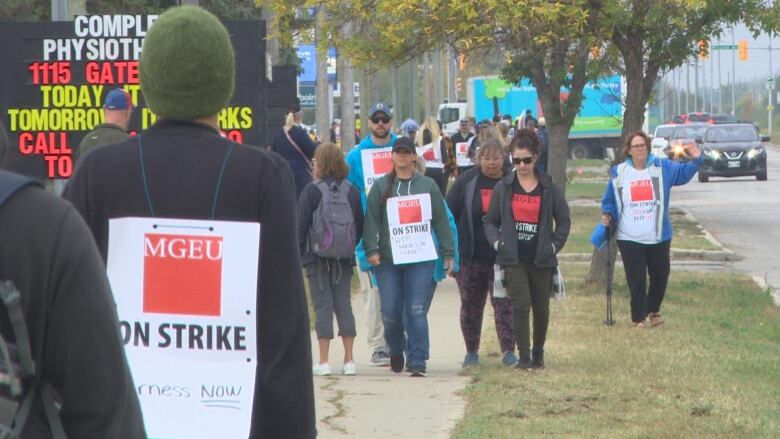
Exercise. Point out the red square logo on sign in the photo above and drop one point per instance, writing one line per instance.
(486, 193)
(382, 163)
(525, 208)
(409, 211)
(182, 274)
(641, 190)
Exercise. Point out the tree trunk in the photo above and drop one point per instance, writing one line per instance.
(347, 78)
(321, 89)
(556, 161)
(427, 86)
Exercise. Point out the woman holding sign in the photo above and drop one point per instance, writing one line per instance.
(528, 223)
(469, 199)
(404, 209)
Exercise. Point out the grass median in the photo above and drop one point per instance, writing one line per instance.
(712, 371)
(688, 234)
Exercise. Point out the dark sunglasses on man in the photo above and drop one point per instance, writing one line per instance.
(384, 119)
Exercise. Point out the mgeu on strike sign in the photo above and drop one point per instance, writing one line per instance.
(411, 238)
(186, 294)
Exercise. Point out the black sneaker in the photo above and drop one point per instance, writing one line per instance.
(397, 363)
(537, 361)
(417, 372)
(525, 362)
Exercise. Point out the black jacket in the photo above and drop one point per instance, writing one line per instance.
(183, 161)
(460, 200)
(48, 253)
(500, 225)
(308, 202)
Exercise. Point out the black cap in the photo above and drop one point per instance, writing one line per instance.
(404, 143)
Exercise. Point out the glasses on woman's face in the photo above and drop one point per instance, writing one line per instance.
(523, 160)
(638, 145)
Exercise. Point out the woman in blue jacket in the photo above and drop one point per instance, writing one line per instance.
(637, 198)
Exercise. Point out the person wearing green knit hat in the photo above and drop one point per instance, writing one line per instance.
(181, 167)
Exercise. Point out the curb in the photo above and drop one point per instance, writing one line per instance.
(761, 282)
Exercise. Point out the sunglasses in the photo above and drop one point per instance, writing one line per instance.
(526, 160)
(385, 120)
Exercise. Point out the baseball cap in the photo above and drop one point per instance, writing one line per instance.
(404, 143)
(118, 99)
(380, 107)
(409, 125)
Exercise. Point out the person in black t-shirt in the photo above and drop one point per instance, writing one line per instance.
(528, 223)
(469, 199)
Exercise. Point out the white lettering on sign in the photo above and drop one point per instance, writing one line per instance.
(178, 248)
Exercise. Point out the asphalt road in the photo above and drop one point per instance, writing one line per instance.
(743, 214)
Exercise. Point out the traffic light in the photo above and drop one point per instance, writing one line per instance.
(461, 61)
(704, 50)
(743, 50)
(595, 52)
(458, 84)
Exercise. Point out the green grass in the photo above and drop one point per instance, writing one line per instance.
(586, 163)
(712, 371)
(687, 234)
(585, 190)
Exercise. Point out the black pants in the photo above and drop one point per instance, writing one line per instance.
(639, 261)
(529, 287)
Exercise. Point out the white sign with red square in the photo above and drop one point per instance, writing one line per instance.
(431, 153)
(411, 236)
(462, 153)
(376, 163)
(186, 295)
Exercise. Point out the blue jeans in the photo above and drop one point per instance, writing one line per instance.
(406, 292)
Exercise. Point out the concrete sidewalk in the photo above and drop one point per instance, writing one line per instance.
(377, 403)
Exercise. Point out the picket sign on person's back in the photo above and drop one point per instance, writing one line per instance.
(431, 153)
(462, 152)
(186, 294)
(376, 163)
(411, 235)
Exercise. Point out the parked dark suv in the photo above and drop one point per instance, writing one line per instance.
(732, 150)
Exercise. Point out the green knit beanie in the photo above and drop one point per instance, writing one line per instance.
(187, 64)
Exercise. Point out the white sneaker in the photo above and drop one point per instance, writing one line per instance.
(349, 368)
(321, 369)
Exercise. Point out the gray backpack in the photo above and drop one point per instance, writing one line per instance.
(332, 233)
(20, 381)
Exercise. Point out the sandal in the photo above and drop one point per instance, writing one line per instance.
(655, 319)
(639, 325)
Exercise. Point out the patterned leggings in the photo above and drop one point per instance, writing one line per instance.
(475, 281)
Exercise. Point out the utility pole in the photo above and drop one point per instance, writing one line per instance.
(687, 87)
(733, 76)
(770, 88)
(412, 91)
(720, 85)
(712, 83)
(438, 83)
(696, 90)
(452, 74)
(321, 86)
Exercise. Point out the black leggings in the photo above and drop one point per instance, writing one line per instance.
(639, 261)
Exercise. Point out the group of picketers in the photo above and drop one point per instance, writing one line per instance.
(502, 220)
(386, 207)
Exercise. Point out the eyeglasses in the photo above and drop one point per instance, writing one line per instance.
(385, 120)
(525, 160)
(639, 145)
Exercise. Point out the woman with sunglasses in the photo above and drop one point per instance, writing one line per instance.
(636, 203)
(528, 224)
(404, 209)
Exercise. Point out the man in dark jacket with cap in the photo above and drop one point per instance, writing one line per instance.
(172, 170)
(46, 251)
(117, 110)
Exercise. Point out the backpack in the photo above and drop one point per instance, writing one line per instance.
(332, 233)
(19, 382)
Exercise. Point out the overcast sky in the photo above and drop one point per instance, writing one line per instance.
(756, 67)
